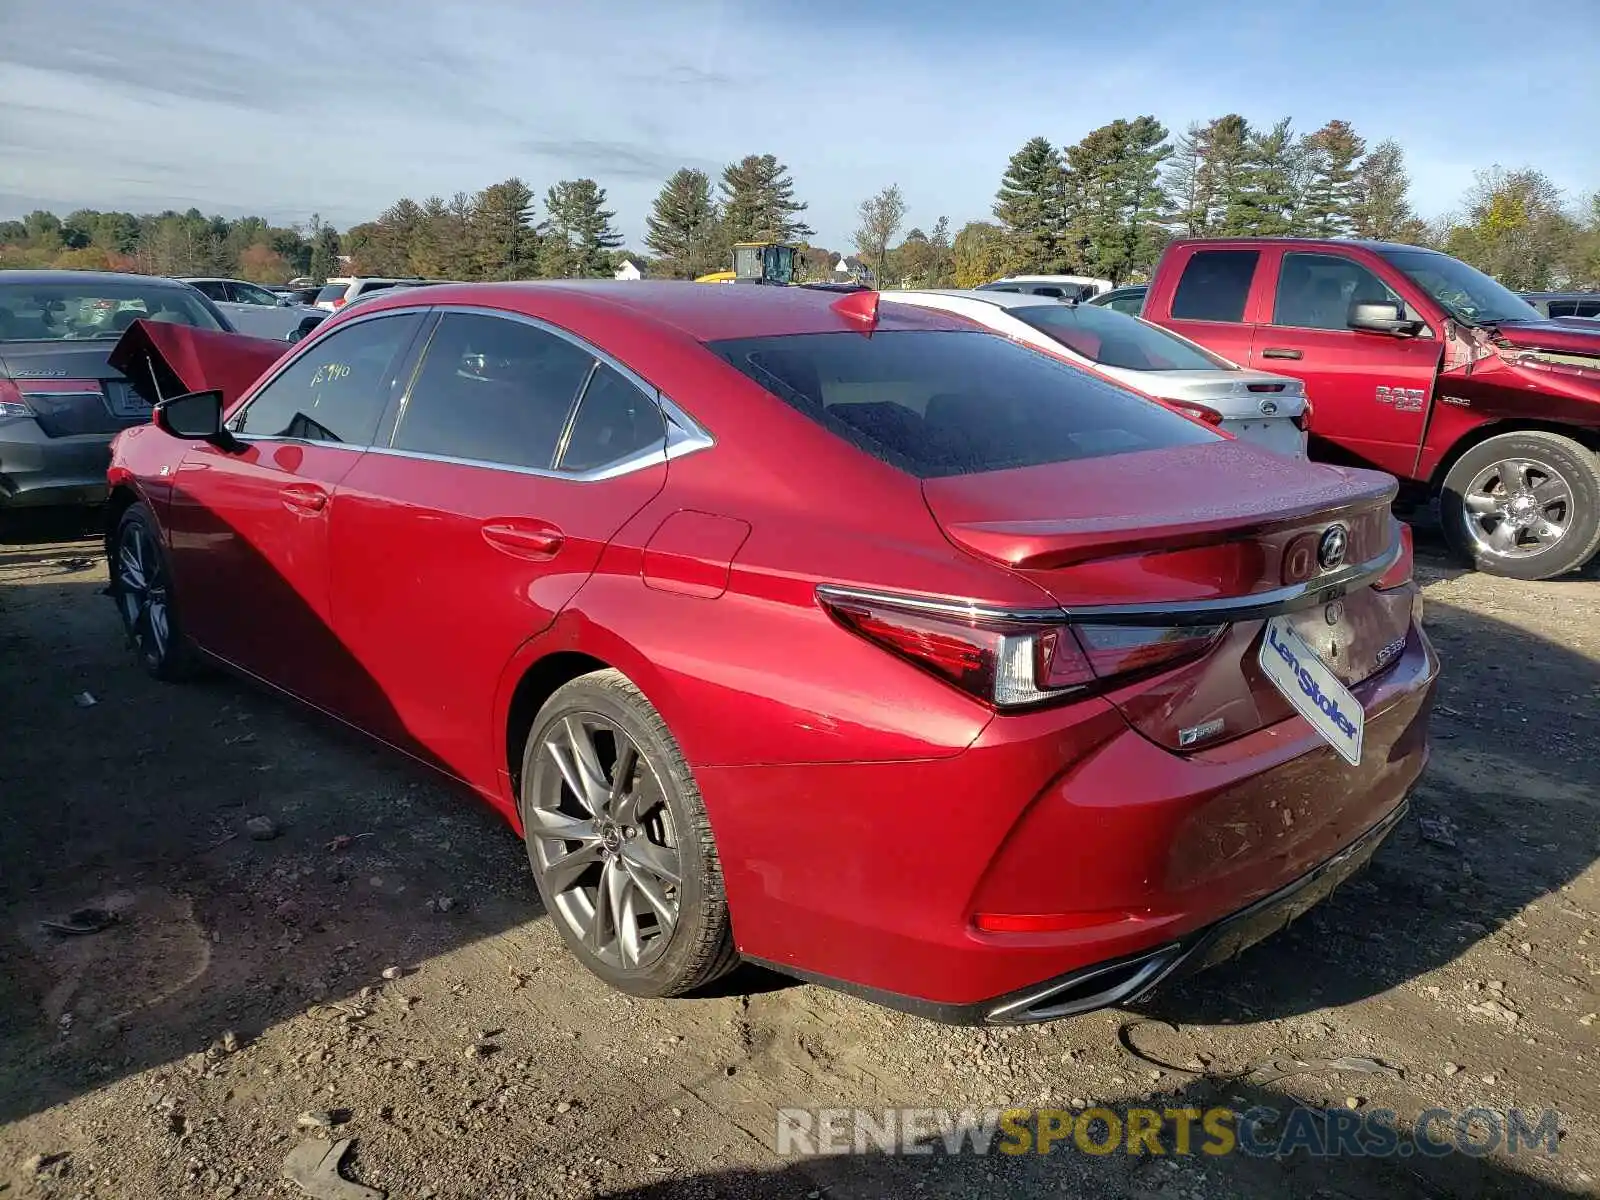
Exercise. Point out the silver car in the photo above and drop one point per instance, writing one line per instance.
(1269, 410)
(252, 308)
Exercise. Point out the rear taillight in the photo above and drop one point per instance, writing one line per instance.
(1303, 421)
(41, 397)
(1400, 574)
(1006, 662)
(339, 303)
(11, 401)
(1199, 412)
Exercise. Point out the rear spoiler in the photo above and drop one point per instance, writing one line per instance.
(162, 360)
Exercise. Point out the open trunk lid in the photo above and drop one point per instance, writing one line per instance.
(163, 360)
(1200, 543)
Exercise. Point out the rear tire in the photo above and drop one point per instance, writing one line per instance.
(626, 866)
(1523, 505)
(141, 588)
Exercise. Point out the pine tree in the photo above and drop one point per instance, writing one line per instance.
(1381, 209)
(1266, 198)
(1188, 183)
(758, 203)
(1222, 173)
(1331, 191)
(1031, 208)
(501, 232)
(324, 252)
(684, 228)
(1115, 198)
(579, 235)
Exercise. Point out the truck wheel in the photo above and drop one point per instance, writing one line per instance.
(1524, 505)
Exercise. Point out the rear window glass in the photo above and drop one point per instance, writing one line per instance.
(94, 309)
(332, 291)
(937, 402)
(1115, 339)
(1215, 286)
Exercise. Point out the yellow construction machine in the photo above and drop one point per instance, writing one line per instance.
(757, 262)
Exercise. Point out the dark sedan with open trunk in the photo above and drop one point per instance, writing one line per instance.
(60, 402)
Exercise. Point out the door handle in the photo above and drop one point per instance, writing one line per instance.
(1281, 352)
(304, 498)
(536, 542)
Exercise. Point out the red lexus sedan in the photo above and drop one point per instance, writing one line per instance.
(788, 627)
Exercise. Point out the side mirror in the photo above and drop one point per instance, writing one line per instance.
(1382, 316)
(195, 417)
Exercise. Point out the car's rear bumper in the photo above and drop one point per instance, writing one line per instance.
(870, 876)
(38, 471)
(1129, 978)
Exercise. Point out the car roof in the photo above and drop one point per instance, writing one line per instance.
(1299, 243)
(64, 276)
(706, 312)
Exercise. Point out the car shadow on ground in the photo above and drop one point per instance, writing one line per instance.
(134, 798)
(1279, 1147)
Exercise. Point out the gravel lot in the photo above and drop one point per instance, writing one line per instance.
(381, 962)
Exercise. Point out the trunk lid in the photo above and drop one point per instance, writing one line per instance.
(1216, 535)
(71, 387)
(162, 360)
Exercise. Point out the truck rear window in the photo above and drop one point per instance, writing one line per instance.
(1214, 286)
(943, 402)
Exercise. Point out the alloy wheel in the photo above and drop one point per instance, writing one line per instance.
(603, 841)
(142, 591)
(1517, 508)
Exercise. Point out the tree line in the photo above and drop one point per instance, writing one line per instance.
(1106, 206)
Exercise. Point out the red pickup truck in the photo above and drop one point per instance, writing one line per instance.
(1422, 366)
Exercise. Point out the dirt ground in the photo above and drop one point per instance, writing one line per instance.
(383, 964)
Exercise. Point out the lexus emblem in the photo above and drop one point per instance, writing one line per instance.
(1331, 549)
(1269, 408)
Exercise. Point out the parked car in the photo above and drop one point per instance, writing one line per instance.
(252, 308)
(1267, 409)
(920, 662)
(338, 292)
(1564, 304)
(310, 320)
(1057, 287)
(1421, 366)
(60, 402)
(1128, 299)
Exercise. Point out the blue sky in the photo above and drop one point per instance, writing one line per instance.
(340, 106)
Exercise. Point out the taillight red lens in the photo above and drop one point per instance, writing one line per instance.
(1010, 663)
(1400, 574)
(1199, 412)
(11, 401)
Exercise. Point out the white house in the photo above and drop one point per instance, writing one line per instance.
(851, 268)
(629, 270)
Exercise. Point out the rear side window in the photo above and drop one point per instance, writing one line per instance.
(492, 390)
(337, 390)
(1215, 285)
(936, 402)
(1115, 339)
(1588, 308)
(615, 421)
(1563, 308)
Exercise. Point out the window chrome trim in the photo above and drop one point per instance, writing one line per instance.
(684, 434)
(1257, 606)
